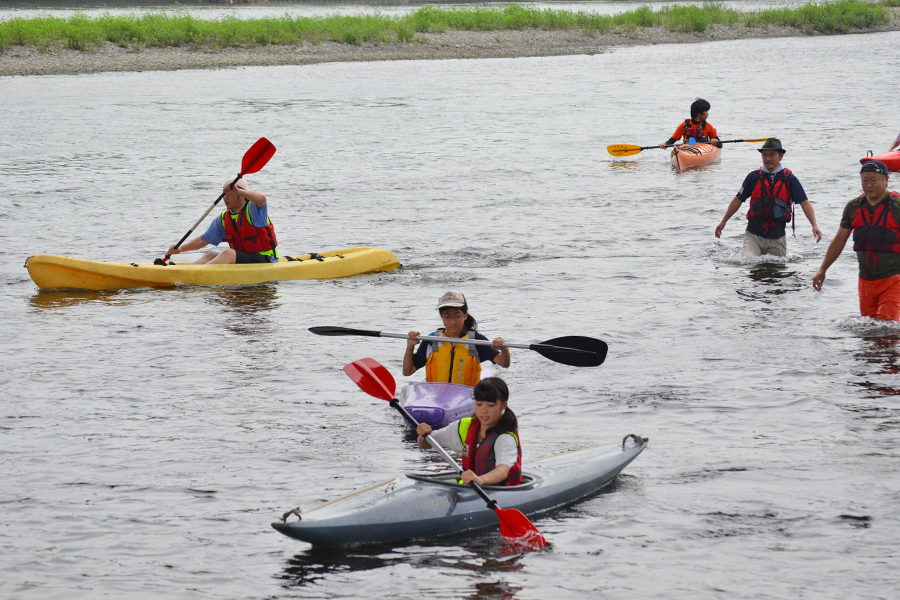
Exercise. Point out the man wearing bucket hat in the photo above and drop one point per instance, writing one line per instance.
(453, 363)
(773, 190)
(873, 220)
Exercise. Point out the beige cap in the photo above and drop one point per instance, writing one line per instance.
(452, 300)
(241, 183)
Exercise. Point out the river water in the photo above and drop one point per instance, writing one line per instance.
(149, 437)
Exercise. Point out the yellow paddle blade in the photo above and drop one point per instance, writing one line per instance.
(758, 139)
(623, 149)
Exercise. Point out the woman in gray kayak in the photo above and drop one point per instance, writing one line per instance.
(448, 362)
(488, 441)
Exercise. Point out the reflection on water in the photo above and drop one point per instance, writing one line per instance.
(883, 354)
(53, 300)
(624, 165)
(777, 279)
(245, 307)
(477, 553)
(499, 590)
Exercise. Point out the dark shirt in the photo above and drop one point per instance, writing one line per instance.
(873, 265)
(484, 352)
(776, 230)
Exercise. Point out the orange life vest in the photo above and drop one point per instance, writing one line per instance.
(450, 364)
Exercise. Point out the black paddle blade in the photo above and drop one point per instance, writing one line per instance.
(329, 330)
(574, 350)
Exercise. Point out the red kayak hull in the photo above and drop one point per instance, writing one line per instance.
(891, 160)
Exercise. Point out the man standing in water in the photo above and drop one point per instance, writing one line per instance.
(245, 226)
(873, 220)
(773, 190)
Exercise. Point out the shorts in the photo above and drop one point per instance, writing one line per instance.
(757, 246)
(245, 258)
(880, 298)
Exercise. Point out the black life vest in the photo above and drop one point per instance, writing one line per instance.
(246, 237)
(876, 230)
(771, 202)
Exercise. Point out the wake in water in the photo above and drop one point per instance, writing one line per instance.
(737, 257)
(868, 326)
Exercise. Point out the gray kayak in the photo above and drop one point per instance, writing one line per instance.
(428, 506)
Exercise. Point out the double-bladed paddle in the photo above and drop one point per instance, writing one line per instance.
(631, 149)
(254, 159)
(572, 350)
(374, 379)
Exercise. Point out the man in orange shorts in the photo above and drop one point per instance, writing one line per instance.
(874, 221)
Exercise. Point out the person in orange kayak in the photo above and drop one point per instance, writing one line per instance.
(245, 225)
(453, 363)
(773, 192)
(874, 220)
(488, 441)
(695, 128)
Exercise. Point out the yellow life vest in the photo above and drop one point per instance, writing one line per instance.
(453, 365)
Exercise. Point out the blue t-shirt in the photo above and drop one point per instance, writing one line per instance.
(259, 217)
(421, 356)
(797, 196)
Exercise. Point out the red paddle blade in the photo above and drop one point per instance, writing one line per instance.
(372, 377)
(519, 530)
(257, 156)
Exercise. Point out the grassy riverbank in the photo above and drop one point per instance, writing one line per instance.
(81, 32)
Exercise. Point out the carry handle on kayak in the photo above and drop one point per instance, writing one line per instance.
(374, 379)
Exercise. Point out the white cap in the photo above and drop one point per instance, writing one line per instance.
(452, 300)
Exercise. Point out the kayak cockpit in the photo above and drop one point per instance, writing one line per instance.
(451, 479)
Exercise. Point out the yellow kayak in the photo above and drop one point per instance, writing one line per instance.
(49, 271)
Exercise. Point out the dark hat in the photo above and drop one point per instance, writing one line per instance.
(874, 166)
(772, 144)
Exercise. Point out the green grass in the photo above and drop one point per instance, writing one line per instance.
(162, 29)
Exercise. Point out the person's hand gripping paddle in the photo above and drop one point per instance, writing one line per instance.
(573, 350)
(254, 159)
(374, 379)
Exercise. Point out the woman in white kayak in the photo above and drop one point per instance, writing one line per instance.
(448, 362)
(488, 441)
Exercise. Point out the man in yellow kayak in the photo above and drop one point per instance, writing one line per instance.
(773, 191)
(245, 225)
(453, 363)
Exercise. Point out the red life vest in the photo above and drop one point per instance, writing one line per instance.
(692, 130)
(771, 203)
(244, 237)
(481, 460)
(876, 231)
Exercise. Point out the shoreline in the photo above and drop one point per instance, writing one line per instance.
(28, 60)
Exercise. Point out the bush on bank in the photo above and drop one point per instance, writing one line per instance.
(162, 29)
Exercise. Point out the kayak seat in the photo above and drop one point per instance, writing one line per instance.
(451, 479)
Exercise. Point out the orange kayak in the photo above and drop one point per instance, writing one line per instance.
(686, 156)
(891, 160)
